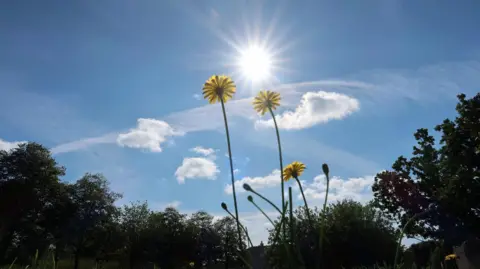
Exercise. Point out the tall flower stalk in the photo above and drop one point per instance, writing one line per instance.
(268, 101)
(326, 171)
(221, 89)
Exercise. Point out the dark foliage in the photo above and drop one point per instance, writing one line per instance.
(440, 183)
(356, 234)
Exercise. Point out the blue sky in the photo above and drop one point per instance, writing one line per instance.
(113, 87)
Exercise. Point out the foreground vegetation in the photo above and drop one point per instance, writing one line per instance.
(432, 195)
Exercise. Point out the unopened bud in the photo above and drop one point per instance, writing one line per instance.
(247, 187)
(325, 169)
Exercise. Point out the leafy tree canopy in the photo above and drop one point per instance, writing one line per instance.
(440, 182)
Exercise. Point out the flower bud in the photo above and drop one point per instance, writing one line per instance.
(325, 169)
(247, 187)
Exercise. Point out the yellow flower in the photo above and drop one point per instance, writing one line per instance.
(450, 257)
(217, 88)
(265, 100)
(294, 170)
(192, 264)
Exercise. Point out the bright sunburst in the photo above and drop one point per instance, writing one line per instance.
(255, 63)
(255, 58)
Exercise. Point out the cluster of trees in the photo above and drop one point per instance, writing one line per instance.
(74, 221)
(438, 186)
(79, 220)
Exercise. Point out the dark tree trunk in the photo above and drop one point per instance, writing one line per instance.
(76, 259)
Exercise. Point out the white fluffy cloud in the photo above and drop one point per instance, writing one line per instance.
(5, 145)
(358, 189)
(196, 168)
(314, 108)
(149, 134)
(257, 183)
(203, 151)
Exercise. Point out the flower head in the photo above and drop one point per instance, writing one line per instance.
(218, 88)
(266, 100)
(250, 198)
(224, 206)
(294, 170)
(192, 264)
(450, 257)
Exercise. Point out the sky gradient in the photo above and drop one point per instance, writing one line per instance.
(115, 87)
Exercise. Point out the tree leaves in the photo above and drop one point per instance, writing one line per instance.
(443, 177)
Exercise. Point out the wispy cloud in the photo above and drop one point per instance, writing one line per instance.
(5, 145)
(382, 87)
(207, 117)
(84, 143)
(214, 14)
(197, 96)
(426, 84)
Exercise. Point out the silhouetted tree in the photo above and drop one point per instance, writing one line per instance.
(440, 183)
(94, 209)
(29, 190)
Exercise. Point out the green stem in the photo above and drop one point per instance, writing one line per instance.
(268, 201)
(281, 161)
(403, 232)
(13, 263)
(244, 261)
(277, 231)
(282, 222)
(305, 201)
(322, 223)
(290, 212)
(231, 172)
(266, 216)
(273, 224)
(295, 245)
(243, 227)
(292, 232)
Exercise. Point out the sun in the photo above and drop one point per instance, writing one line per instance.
(255, 63)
